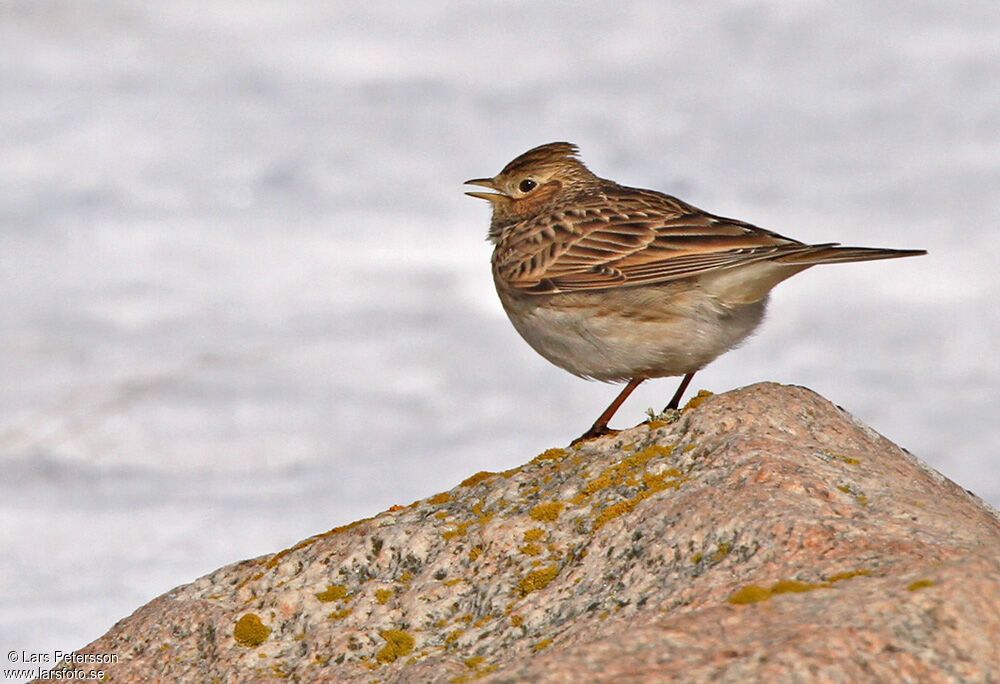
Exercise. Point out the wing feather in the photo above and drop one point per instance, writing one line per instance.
(625, 236)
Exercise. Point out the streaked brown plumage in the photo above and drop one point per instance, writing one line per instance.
(622, 284)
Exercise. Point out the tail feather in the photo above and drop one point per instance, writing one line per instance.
(834, 254)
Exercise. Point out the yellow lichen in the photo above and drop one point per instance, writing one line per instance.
(753, 593)
(276, 558)
(623, 471)
(596, 485)
(334, 592)
(550, 455)
(653, 483)
(530, 549)
(721, 552)
(339, 614)
(474, 553)
(534, 534)
(696, 401)
(547, 511)
(476, 479)
(452, 582)
(453, 637)
(539, 645)
(397, 644)
(919, 584)
(749, 594)
(458, 531)
(382, 596)
(840, 576)
(474, 662)
(613, 511)
(537, 579)
(794, 586)
(849, 460)
(249, 631)
(443, 497)
(516, 620)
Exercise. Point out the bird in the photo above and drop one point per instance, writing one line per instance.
(622, 284)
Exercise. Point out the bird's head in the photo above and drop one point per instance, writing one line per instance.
(538, 177)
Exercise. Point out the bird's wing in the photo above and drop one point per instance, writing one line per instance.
(626, 236)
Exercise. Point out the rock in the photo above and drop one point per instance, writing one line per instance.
(763, 535)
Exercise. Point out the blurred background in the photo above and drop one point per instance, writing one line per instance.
(244, 300)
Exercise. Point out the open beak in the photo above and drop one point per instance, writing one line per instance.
(486, 183)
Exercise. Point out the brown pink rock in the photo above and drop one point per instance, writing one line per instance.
(763, 535)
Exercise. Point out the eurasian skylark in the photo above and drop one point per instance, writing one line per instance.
(621, 284)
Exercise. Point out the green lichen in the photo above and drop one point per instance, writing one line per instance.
(249, 631)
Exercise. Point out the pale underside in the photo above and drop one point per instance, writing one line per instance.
(615, 335)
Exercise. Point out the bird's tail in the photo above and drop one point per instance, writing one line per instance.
(835, 254)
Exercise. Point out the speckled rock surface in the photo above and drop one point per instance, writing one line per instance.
(763, 535)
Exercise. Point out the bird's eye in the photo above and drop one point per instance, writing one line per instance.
(527, 185)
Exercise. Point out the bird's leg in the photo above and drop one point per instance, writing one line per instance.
(676, 401)
(600, 426)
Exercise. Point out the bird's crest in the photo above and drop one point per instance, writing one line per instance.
(554, 153)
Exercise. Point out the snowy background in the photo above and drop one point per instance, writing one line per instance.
(244, 299)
